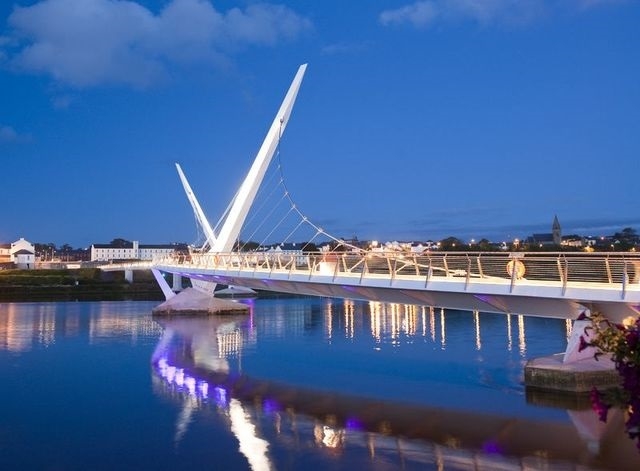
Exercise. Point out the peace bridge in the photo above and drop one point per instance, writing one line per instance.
(559, 285)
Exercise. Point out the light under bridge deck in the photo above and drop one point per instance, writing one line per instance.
(559, 285)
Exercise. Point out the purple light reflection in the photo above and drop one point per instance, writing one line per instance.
(203, 388)
(190, 383)
(353, 424)
(271, 406)
(179, 377)
(491, 447)
(220, 396)
(348, 288)
(176, 376)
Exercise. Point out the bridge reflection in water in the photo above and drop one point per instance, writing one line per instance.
(200, 363)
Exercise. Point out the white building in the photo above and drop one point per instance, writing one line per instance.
(133, 251)
(20, 252)
(286, 252)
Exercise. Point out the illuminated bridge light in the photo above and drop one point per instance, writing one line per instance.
(179, 377)
(171, 373)
(203, 388)
(190, 384)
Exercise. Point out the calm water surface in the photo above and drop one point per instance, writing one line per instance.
(296, 384)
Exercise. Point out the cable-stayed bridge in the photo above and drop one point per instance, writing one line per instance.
(560, 285)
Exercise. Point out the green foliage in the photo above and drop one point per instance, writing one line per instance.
(83, 283)
(622, 342)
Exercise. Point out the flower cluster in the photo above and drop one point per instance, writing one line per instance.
(622, 343)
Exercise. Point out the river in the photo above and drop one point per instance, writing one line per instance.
(298, 383)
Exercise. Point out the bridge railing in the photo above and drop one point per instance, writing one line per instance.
(617, 269)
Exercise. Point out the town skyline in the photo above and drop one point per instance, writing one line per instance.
(628, 236)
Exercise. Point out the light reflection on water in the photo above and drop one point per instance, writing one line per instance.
(343, 417)
(24, 326)
(300, 383)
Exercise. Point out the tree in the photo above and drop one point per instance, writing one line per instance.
(248, 246)
(627, 235)
(625, 239)
(484, 244)
(121, 243)
(451, 243)
(309, 247)
(66, 249)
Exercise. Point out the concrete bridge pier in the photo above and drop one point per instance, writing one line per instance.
(176, 284)
(574, 370)
(128, 275)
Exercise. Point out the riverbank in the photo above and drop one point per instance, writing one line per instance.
(83, 284)
(88, 284)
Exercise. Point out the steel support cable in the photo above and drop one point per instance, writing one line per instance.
(294, 230)
(266, 213)
(228, 208)
(264, 220)
(264, 201)
(199, 233)
(294, 206)
(226, 212)
(276, 227)
(312, 239)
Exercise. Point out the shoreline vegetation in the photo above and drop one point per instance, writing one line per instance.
(88, 284)
(83, 284)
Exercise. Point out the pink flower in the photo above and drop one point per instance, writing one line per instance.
(598, 405)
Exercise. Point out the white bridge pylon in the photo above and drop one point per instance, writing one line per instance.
(197, 209)
(245, 196)
(247, 192)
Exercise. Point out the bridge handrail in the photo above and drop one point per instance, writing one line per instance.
(616, 269)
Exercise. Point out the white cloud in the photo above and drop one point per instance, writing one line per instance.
(91, 42)
(61, 102)
(4, 43)
(424, 13)
(264, 23)
(418, 14)
(8, 134)
(584, 4)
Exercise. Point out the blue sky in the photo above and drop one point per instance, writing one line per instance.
(415, 120)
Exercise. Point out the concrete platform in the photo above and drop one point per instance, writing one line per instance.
(193, 302)
(550, 373)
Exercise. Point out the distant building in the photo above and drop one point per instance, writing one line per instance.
(573, 241)
(548, 239)
(290, 250)
(20, 253)
(133, 251)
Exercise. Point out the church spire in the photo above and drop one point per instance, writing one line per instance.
(556, 231)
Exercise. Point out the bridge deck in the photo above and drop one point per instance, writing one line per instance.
(549, 285)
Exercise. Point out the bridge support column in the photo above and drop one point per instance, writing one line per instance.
(574, 370)
(164, 286)
(177, 283)
(128, 275)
